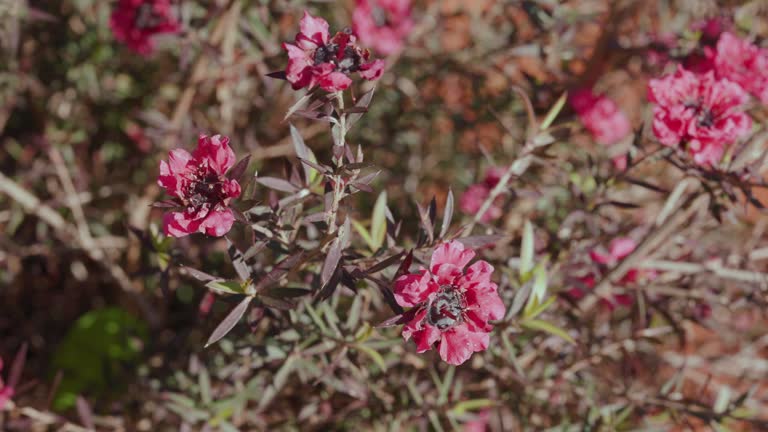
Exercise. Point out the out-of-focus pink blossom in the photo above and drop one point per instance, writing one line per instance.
(317, 59)
(600, 116)
(135, 22)
(619, 249)
(473, 198)
(479, 423)
(382, 24)
(743, 63)
(198, 183)
(6, 392)
(452, 305)
(699, 113)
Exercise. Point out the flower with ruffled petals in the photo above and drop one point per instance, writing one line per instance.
(135, 22)
(452, 306)
(198, 184)
(473, 198)
(383, 24)
(745, 64)
(619, 249)
(699, 113)
(317, 59)
(600, 116)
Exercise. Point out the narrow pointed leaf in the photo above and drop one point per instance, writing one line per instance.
(228, 323)
(447, 214)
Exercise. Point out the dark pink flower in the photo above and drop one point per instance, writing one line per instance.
(699, 113)
(473, 198)
(135, 22)
(317, 59)
(743, 63)
(451, 305)
(197, 182)
(600, 116)
(383, 24)
(619, 249)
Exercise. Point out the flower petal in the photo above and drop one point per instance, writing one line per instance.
(413, 289)
(458, 344)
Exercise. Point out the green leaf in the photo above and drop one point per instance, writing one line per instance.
(553, 112)
(526, 251)
(226, 287)
(539, 290)
(373, 354)
(363, 233)
(379, 221)
(537, 308)
(549, 328)
(471, 405)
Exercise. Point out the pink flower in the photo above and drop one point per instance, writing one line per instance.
(451, 305)
(699, 112)
(198, 184)
(316, 59)
(479, 423)
(743, 63)
(600, 116)
(473, 198)
(6, 392)
(619, 249)
(135, 22)
(383, 24)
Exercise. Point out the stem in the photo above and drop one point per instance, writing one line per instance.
(339, 144)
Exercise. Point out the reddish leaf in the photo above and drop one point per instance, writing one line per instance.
(228, 323)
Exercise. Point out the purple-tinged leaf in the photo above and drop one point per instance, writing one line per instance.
(447, 214)
(405, 266)
(85, 413)
(281, 75)
(330, 287)
(237, 171)
(386, 292)
(368, 178)
(167, 204)
(426, 223)
(302, 151)
(287, 292)
(254, 250)
(398, 319)
(228, 323)
(277, 303)
(331, 262)
(277, 184)
(323, 169)
(381, 265)
(432, 212)
(315, 218)
(361, 187)
(238, 261)
(280, 270)
(358, 166)
(363, 102)
(198, 274)
(17, 366)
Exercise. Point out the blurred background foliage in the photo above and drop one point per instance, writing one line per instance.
(73, 99)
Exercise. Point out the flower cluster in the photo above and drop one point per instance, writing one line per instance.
(198, 184)
(699, 112)
(135, 22)
(701, 106)
(315, 58)
(619, 249)
(451, 306)
(383, 24)
(473, 198)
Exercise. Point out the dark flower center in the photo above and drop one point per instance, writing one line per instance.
(445, 308)
(347, 61)
(704, 116)
(205, 188)
(147, 17)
